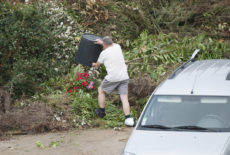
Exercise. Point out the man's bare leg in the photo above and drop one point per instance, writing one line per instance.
(101, 98)
(100, 112)
(129, 121)
(125, 103)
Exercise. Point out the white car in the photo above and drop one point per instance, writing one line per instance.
(188, 113)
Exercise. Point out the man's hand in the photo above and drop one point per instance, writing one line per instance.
(96, 65)
(98, 41)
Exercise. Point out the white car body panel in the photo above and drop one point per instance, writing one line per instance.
(149, 142)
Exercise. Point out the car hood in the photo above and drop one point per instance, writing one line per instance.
(145, 142)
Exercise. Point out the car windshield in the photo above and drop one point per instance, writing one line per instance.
(187, 113)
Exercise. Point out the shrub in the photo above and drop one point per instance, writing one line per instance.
(154, 55)
(83, 106)
(37, 41)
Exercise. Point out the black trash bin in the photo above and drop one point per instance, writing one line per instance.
(88, 52)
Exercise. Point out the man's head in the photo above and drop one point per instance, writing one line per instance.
(107, 41)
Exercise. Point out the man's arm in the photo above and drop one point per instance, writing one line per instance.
(98, 41)
(96, 65)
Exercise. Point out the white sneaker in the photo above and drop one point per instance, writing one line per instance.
(130, 121)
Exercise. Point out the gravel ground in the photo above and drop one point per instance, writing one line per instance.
(77, 142)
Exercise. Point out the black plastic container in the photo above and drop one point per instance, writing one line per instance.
(88, 52)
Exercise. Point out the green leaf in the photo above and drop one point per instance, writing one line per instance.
(54, 144)
(39, 144)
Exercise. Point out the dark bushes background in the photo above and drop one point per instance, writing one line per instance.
(37, 41)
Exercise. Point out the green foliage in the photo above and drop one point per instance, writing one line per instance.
(115, 115)
(125, 19)
(52, 144)
(155, 54)
(83, 106)
(163, 15)
(37, 41)
(39, 144)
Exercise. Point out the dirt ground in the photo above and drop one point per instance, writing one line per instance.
(77, 142)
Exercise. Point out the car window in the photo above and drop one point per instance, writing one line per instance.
(174, 111)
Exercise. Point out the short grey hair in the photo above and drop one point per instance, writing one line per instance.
(107, 40)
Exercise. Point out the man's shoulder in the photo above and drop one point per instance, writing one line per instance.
(116, 45)
(113, 49)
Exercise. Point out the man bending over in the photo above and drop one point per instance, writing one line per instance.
(116, 79)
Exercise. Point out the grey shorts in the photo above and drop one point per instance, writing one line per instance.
(121, 87)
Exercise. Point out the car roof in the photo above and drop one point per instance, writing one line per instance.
(206, 77)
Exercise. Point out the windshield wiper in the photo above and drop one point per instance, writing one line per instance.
(198, 128)
(156, 126)
(179, 128)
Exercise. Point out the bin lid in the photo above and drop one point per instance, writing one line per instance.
(91, 37)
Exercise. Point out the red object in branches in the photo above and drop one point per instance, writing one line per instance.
(85, 75)
(79, 77)
(82, 76)
(84, 83)
(69, 91)
(75, 88)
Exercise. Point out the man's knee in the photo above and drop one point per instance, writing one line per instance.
(124, 97)
(100, 91)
